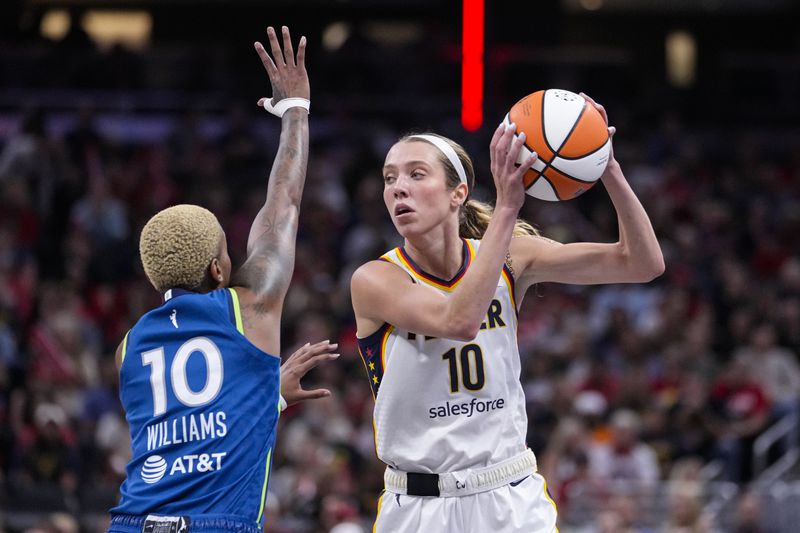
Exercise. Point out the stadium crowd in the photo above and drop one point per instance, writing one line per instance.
(632, 383)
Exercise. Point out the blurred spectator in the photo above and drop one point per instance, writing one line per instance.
(749, 517)
(46, 450)
(778, 370)
(100, 215)
(625, 457)
(27, 158)
(739, 413)
(565, 461)
(688, 429)
(620, 516)
(686, 509)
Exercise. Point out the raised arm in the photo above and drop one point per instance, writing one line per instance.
(271, 243)
(636, 256)
(381, 292)
(263, 279)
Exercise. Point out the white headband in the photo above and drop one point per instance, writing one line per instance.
(448, 151)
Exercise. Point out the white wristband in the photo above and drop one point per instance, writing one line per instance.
(280, 108)
(282, 405)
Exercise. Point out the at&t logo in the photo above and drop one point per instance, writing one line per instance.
(154, 468)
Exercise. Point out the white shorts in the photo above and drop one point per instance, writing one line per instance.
(519, 507)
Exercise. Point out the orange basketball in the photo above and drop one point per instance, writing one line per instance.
(571, 139)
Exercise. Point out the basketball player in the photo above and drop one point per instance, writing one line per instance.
(199, 375)
(437, 321)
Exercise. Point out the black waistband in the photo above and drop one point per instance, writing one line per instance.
(422, 484)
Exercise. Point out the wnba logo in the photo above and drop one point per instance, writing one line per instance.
(154, 468)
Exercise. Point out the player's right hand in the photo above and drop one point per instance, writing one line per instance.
(287, 73)
(298, 365)
(504, 151)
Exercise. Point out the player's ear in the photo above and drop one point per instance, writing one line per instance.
(215, 271)
(459, 195)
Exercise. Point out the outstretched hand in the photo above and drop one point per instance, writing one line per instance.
(504, 151)
(298, 365)
(287, 73)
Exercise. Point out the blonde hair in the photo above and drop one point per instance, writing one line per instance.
(474, 216)
(177, 245)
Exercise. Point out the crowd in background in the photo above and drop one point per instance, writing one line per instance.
(624, 383)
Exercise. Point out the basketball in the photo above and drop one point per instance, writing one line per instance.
(571, 139)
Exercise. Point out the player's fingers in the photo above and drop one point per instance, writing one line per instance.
(302, 350)
(314, 394)
(288, 51)
(507, 142)
(514, 150)
(494, 152)
(496, 136)
(526, 165)
(323, 345)
(611, 131)
(301, 52)
(314, 361)
(603, 113)
(275, 46)
(316, 350)
(269, 65)
(503, 141)
(597, 106)
(310, 350)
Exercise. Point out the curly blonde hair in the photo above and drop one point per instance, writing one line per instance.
(177, 245)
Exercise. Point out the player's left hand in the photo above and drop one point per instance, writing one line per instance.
(298, 365)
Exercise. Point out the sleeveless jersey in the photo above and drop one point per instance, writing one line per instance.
(443, 405)
(202, 406)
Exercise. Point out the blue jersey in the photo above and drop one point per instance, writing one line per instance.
(202, 406)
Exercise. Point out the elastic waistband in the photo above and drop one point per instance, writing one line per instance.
(463, 482)
(199, 523)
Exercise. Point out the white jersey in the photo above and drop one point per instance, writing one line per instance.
(443, 405)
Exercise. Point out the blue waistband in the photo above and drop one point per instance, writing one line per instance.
(199, 524)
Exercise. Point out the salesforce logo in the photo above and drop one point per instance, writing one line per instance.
(154, 468)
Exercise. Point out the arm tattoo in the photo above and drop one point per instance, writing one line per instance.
(508, 263)
(269, 265)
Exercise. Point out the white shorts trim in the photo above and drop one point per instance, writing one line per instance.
(470, 481)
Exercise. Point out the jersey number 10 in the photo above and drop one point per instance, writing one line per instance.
(180, 383)
(473, 377)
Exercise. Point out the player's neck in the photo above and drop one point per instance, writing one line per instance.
(441, 257)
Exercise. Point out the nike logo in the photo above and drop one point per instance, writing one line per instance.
(515, 483)
(174, 318)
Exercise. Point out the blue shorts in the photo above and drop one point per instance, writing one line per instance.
(123, 523)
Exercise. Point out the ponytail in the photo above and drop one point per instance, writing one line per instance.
(475, 216)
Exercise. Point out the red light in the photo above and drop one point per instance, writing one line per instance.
(472, 66)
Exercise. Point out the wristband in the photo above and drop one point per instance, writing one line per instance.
(282, 405)
(283, 105)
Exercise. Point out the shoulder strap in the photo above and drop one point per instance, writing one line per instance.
(124, 347)
(392, 256)
(235, 310)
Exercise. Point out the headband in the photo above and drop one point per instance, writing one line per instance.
(448, 151)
